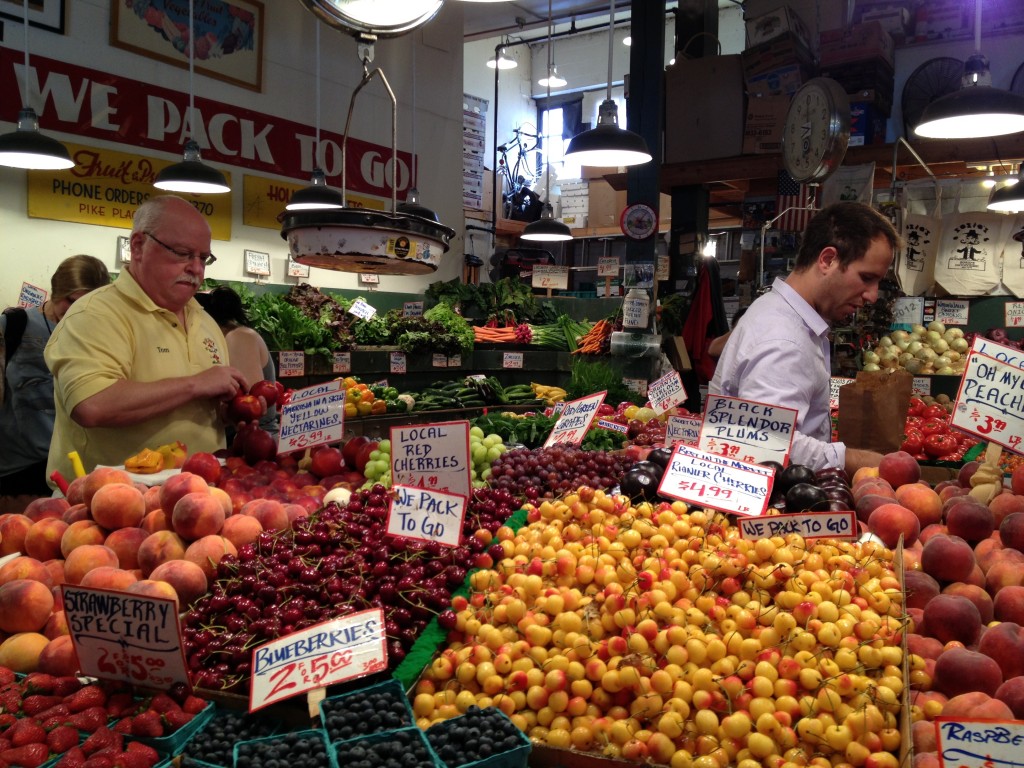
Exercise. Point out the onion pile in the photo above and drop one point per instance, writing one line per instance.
(922, 350)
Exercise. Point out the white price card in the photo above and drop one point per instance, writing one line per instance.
(325, 654)
(834, 385)
(455, 361)
(688, 450)
(315, 390)
(257, 263)
(982, 743)
(575, 419)
(121, 636)
(412, 309)
(31, 296)
(702, 478)
(369, 278)
(614, 426)
(432, 456)
(397, 362)
(291, 363)
(908, 311)
(342, 362)
(420, 513)
(810, 525)
(661, 267)
(607, 266)
(511, 359)
(636, 385)
(666, 392)
(990, 402)
(682, 429)
(438, 361)
(921, 386)
(316, 420)
(361, 309)
(550, 276)
(952, 311)
(297, 270)
(1014, 314)
(747, 430)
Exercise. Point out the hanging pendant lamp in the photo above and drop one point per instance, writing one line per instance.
(976, 110)
(1008, 198)
(501, 59)
(26, 147)
(546, 228)
(192, 175)
(608, 144)
(319, 195)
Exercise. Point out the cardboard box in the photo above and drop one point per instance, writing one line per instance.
(606, 205)
(704, 109)
(944, 20)
(867, 124)
(598, 172)
(894, 19)
(762, 130)
(769, 56)
(858, 42)
(784, 81)
(773, 24)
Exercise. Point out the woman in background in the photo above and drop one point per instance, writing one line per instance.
(26, 418)
(247, 350)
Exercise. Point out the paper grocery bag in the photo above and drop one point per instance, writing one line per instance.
(873, 410)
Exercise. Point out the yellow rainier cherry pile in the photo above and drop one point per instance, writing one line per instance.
(655, 633)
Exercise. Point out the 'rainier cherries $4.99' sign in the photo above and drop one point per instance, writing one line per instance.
(702, 478)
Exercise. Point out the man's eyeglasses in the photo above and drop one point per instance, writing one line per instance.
(206, 258)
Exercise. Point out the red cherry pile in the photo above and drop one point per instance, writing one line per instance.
(556, 470)
(335, 562)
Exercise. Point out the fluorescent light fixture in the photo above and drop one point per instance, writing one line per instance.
(191, 175)
(502, 60)
(26, 147)
(608, 144)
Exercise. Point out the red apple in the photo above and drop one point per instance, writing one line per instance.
(245, 408)
(351, 448)
(326, 461)
(203, 464)
(268, 390)
(363, 456)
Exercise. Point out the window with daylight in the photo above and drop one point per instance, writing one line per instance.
(554, 143)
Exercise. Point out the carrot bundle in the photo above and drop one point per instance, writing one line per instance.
(494, 335)
(593, 342)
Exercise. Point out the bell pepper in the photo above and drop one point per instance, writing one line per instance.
(145, 462)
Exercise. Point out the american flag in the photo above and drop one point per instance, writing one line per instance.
(794, 195)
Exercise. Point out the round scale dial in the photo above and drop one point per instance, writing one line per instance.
(638, 221)
(817, 130)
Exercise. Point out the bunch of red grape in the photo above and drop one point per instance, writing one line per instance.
(556, 470)
(335, 562)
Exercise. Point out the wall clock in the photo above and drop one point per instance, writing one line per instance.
(638, 221)
(817, 130)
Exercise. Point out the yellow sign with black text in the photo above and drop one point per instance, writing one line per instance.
(263, 200)
(106, 187)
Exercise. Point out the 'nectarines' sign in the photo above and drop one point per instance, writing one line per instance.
(133, 638)
(312, 421)
(325, 654)
(990, 403)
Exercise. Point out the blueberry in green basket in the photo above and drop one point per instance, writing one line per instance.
(216, 742)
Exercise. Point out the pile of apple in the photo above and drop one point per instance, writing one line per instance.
(965, 590)
(655, 633)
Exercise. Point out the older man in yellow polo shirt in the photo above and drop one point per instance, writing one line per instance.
(138, 363)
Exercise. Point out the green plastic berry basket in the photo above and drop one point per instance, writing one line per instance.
(388, 686)
(512, 758)
(220, 713)
(173, 743)
(319, 735)
(339, 749)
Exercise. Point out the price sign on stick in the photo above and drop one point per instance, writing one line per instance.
(810, 525)
(687, 450)
(970, 743)
(412, 309)
(362, 310)
(682, 429)
(666, 392)
(120, 636)
(312, 421)
(316, 390)
(291, 363)
(342, 362)
(397, 363)
(702, 478)
(747, 430)
(607, 266)
(550, 276)
(990, 402)
(432, 456)
(420, 513)
(575, 419)
(318, 656)
(952, 311)
(511, 359)
(1014, 314)
(31, 296)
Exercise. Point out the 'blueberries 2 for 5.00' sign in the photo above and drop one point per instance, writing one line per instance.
(325, 654)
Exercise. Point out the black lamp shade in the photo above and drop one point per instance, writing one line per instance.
(413, 207)
(1009, 198)
(192, 175)
(974, 111)
(27, 148)
(318, 195)
(607, 144)
(546, 228)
